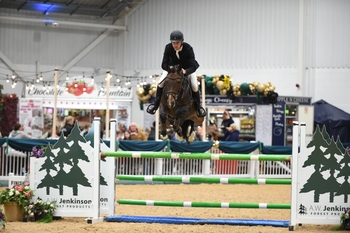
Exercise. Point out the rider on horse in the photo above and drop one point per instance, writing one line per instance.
(175, 53)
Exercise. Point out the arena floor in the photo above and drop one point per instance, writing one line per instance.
(184, 192)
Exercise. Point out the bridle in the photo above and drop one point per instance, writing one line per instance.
(181, 89)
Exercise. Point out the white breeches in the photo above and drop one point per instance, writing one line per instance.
(192, 77)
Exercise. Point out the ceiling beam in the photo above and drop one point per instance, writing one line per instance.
(68, 23)
(75, 9)
(11, 66)
(22, 5)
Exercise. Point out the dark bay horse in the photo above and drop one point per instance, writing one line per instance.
(177, 107)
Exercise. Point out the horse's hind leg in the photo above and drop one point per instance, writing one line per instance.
(191, 135)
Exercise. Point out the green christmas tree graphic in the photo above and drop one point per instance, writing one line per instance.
(302, 209)
(76, 175)
(90, 140)
(70, 152)
(344, 172)
(327, 161)
(332, 165)
(325, 134)
(61, 178)
(48, 181)
(340, 145)
(316, 182)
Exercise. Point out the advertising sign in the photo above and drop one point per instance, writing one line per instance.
(74, 91)
(322, 181)
(31, 116)
(278, 121)
(64, 175)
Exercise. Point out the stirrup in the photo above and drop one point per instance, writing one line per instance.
(201, 112)
(151, 109)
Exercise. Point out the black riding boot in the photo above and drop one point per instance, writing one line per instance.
(200, 110)
(152, 108)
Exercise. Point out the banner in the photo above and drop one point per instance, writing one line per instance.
(79, 91)
(31, 116)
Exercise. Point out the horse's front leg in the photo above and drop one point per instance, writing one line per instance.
(181, 115)
(163, 118)
(178, 129)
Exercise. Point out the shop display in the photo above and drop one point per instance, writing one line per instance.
(247, 132)
(243, 116)
(290, 116)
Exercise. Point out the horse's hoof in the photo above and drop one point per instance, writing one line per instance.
(180, 138)
(192, 137)
(151, 109)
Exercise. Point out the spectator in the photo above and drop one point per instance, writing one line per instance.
(49, 135)
(18, 132)
(199, 134)
(172, 134)
(86, 129)
(233, 133)
(68, 123)
(136, 133)
(121, 132)
(152, 134)
(226, 123)
(76, 116)
(213, 132)
(126, 136)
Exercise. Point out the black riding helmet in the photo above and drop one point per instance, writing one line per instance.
(176, 36)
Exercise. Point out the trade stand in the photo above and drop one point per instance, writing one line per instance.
(83, 104)
(258, 120)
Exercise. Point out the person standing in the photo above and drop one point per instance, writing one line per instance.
(181, 53)
(68, 125)
(226, 123)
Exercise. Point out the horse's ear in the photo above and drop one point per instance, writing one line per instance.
(179, 68)
(171, 69)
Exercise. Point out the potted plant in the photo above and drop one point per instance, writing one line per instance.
(2, 219)
(345, 220)
(41, 210)
(14, 200)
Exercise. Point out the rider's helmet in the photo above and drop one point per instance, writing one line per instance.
(176, 36)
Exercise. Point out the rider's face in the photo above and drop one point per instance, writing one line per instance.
(177, 45)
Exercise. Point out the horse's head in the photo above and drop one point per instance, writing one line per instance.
(173, 84)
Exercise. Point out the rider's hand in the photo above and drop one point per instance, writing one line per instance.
(183, 71)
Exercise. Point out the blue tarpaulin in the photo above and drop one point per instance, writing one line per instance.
(197, 221)
(337, 121)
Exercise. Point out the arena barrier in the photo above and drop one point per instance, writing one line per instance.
(179, 179)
